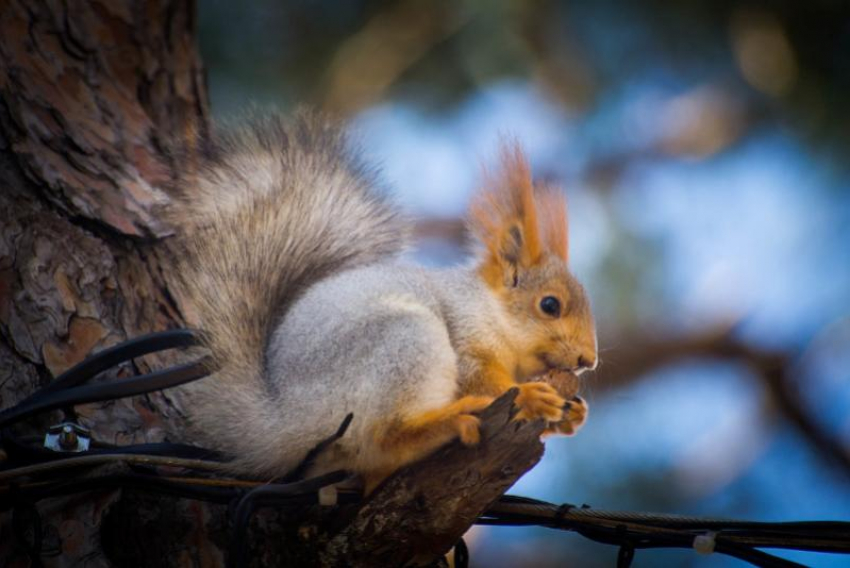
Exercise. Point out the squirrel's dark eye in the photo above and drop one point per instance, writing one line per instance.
(551, 306)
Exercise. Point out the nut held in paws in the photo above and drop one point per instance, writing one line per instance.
(566, 383)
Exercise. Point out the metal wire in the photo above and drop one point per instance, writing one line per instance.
(95, 460)
(629, 531)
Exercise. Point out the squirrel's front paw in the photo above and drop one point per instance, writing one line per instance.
(539, 400)
(575, 415)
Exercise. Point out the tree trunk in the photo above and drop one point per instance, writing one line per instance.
(92, 94)
(94, 97)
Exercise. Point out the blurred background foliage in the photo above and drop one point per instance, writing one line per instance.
(704, 148)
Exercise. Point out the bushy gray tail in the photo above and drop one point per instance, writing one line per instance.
(276, 206)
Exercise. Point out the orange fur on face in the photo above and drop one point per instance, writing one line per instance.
(517, 223)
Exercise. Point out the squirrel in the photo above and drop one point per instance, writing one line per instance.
(292, 266)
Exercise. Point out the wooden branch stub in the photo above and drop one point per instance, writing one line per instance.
(420, 512)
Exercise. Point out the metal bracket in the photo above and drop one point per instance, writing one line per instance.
(67, 437)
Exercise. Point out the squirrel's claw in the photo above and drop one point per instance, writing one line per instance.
(539, 400)
(575, 415)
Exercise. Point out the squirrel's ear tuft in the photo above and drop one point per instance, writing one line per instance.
(553, 221)
(515, 223)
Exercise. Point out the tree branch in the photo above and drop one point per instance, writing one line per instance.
(638, 356)
(419, 513)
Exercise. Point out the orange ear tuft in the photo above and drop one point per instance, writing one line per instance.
(503, 214)
(553, 221)
(515, 222)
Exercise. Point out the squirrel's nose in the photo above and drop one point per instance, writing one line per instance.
(587, 362)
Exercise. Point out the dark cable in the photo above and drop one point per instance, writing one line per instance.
(19, 452)
(311, 456)
(266, 494)
(625, 555)
(26, 519)
(461, 555)
(157, 380)
(124, 351)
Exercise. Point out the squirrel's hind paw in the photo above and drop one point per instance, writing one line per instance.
(539, 400)
(465, 423)
(468, 429)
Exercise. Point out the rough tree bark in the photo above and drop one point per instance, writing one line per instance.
(92, 94)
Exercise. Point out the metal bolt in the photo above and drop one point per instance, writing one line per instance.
(68, 437)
